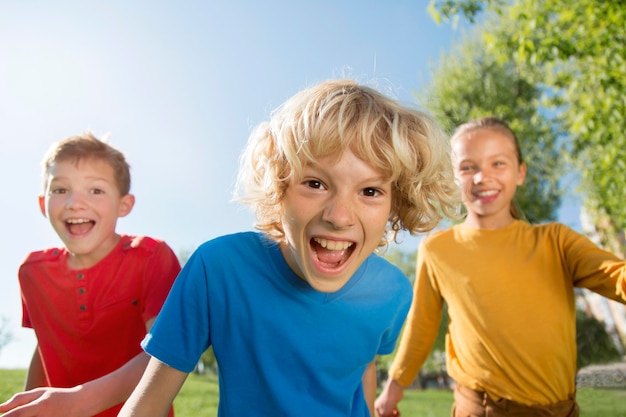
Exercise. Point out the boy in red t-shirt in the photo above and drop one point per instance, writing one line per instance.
(92, 301)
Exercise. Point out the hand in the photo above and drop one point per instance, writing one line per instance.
(41, 402)
(386, 404)
(385, 410)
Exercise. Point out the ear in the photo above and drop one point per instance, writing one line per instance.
(126, 205)
(521, 176)
(42, 205)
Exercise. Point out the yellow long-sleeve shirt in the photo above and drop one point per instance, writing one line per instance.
(511, 305)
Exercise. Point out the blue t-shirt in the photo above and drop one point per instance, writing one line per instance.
(282, 348)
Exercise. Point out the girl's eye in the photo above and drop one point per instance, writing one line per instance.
(466, 168)
(371, 192)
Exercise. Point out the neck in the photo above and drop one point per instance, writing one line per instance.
(488, 223)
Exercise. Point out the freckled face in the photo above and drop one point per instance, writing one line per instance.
(487, 170)
(83, 203)
(334, 217)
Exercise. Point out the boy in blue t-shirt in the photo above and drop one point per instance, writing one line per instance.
(296, 314)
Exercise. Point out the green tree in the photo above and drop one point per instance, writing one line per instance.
(580, 48)
(593, 342)
(403, 260)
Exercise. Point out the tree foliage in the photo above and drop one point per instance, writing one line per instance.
(580, 48)
(470, 82)
(593, 343)
(403, 260)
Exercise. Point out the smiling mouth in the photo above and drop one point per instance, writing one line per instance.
(77, 227)
(332, 253)
(485, 194)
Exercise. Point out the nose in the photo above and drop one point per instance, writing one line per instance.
(75, 201)
(339, 212)
(479, 176)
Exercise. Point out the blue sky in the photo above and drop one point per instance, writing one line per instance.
(179, 86)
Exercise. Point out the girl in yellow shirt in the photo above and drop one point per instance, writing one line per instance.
(509, 287)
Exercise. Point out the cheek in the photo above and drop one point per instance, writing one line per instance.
(465, 186)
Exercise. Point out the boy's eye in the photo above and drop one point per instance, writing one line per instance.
(314, 184)
(58, 191)
(371, 192)
(97, 191)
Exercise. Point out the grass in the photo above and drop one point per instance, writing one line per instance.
(199, 395)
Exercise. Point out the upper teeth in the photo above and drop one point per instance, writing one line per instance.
(333, 244)
(487, 193)
(78, 221)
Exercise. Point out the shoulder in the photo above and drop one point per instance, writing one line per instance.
(389, 273)
(242, 241)
(551, 230)
(143, 243)
(43, 256)
(438, 238)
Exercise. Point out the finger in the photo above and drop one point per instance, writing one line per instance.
(20, 399)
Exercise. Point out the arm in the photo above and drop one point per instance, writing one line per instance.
(86, 399)
(36, 376)
(369, 385)
(155, 392)
(82, 400)
(593, 267)
(387, 401)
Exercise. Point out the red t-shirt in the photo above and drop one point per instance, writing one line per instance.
(89, 322)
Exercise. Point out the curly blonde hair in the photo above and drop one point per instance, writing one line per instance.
(338, 115)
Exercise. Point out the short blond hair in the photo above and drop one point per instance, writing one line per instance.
(85, 147)
(338, 115)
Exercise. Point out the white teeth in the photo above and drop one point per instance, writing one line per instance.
(487, 193)
(332, 244)
(78, 221)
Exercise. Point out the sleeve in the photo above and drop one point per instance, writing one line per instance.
(592, 267)
(181, 331)
(403, 296)
(422, 325)
(161, 272)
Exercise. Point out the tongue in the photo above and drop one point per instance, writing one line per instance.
(80, 228)
(330, 256)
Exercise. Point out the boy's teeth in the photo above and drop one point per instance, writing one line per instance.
(78, 221)
(332, 244)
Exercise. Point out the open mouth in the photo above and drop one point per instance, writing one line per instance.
(77, 227)
(331, 253)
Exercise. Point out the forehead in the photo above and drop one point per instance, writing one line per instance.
(84, 167)
(483, 142)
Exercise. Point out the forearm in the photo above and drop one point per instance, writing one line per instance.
(111, 389)
(387, 402)
(155, 392)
